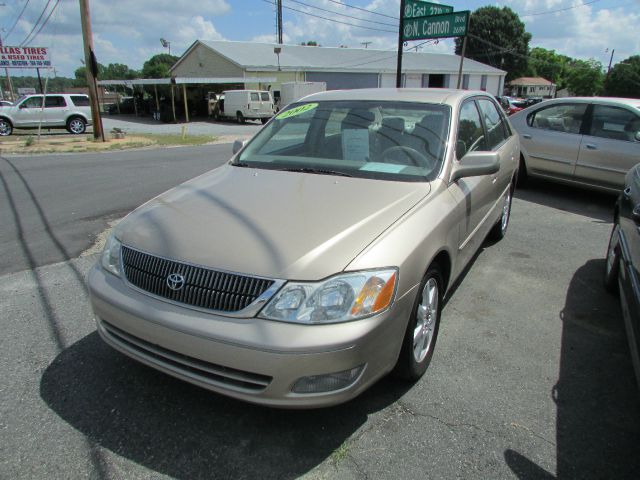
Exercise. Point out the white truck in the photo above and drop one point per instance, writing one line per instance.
(292, 91)
(245, 105)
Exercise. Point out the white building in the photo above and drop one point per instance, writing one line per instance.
(340, 68)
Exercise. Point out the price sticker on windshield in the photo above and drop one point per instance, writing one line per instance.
(294, 112)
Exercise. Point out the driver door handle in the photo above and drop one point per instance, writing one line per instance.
(526, 135)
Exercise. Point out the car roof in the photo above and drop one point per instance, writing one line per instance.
(426, 95)
(631, 102)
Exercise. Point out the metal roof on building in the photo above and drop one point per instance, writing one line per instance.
(261, 57)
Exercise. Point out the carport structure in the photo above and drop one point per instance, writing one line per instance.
(186, 81)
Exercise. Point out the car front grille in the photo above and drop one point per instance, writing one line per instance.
(185, 365)
(203, 288)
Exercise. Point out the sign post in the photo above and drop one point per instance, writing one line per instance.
(424, 20)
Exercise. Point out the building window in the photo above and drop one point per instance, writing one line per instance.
(465, 81)
(483, 83)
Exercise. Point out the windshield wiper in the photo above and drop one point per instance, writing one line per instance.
(240, 164)
(320, 171)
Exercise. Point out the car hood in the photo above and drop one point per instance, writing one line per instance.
(269, 223)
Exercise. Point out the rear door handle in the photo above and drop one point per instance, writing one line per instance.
(591, 146)
(526, 135)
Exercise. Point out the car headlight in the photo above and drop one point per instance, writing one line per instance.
(111, 255)
(341, 298)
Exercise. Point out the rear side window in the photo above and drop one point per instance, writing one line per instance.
(265, 97)
(80, 100)
(566, 118)
(614, 122)
(470, 132)
(255, 97)
(54, 101)
(496, 126)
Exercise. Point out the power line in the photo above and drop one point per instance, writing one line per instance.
(342, 14)
(35, 25)
(270, 2)
(547, 12)
(363, 9)
(17, 20)
(43, 23)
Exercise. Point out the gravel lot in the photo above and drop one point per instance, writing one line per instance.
(531, 377)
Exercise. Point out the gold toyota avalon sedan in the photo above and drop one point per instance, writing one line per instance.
(315, 261)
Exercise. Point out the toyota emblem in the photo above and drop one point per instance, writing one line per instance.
(175, 282)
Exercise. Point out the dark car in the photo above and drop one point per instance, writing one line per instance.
(623, 260)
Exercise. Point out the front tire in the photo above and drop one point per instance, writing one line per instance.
(76, 125)
(6, 128)
(240, 118)
(612, 264)
(422, 331)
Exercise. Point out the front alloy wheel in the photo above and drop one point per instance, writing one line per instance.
(421, 334)
(612, 265)
(5, 127)
(500, 229)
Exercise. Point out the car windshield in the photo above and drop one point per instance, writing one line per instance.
(403, 141)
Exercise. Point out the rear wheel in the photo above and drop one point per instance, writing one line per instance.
(264, 120)
(76, 125)
(421, 334)
(5, 127)
(240, 117)
(499, 230)
(612, 265)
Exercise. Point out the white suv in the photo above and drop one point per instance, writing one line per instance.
(61, 110)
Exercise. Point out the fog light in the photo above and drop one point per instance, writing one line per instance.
(328, 382)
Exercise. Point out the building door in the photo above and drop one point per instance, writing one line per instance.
(436, 80)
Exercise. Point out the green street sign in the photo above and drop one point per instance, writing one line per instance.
(418, 8)
(436, 26)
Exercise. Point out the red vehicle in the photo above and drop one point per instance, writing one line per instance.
(511, 105)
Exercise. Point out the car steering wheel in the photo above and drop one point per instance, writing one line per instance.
(418, 159)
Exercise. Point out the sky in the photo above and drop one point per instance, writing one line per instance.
(129, 31)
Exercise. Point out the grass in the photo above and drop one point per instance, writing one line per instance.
(340, 453)
(176, 139)
(65, 143)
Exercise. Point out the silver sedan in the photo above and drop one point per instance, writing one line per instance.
(591, 142)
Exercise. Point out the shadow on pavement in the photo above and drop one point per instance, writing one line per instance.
(183, 431)
(597, 399)
(569, 199)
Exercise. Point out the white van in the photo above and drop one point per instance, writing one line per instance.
(246, 105)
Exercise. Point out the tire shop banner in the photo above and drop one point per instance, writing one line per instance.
(24, 57)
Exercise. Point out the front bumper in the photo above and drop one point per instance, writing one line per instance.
(251, 359)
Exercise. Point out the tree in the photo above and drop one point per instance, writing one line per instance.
(159, 66)
(497, 37)
(585, 77)
(624, 79)
(117, 71)
(549, 65)
(311, 43)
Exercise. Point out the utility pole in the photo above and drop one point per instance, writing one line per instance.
(400, 46)
(279, 21)
(91, 64)
(6, 71)
(608, 69)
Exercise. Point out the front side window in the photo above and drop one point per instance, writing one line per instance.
(614, 122)
(566, 117)
(32, 102)
(54, 101)
(265, 97)
(470, 132)
(402, 141)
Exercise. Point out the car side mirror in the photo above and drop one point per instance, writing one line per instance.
(23, 105)
(238, 145)
(637, 136)
(474, 164)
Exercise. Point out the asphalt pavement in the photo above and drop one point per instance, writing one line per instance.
(531, 377)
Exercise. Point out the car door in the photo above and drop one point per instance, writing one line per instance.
(266, 104)
(629, 220)
(28, 112)
(254, 104)
(55, 110)
(551, 139)
(609, 148)
(474, 195)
